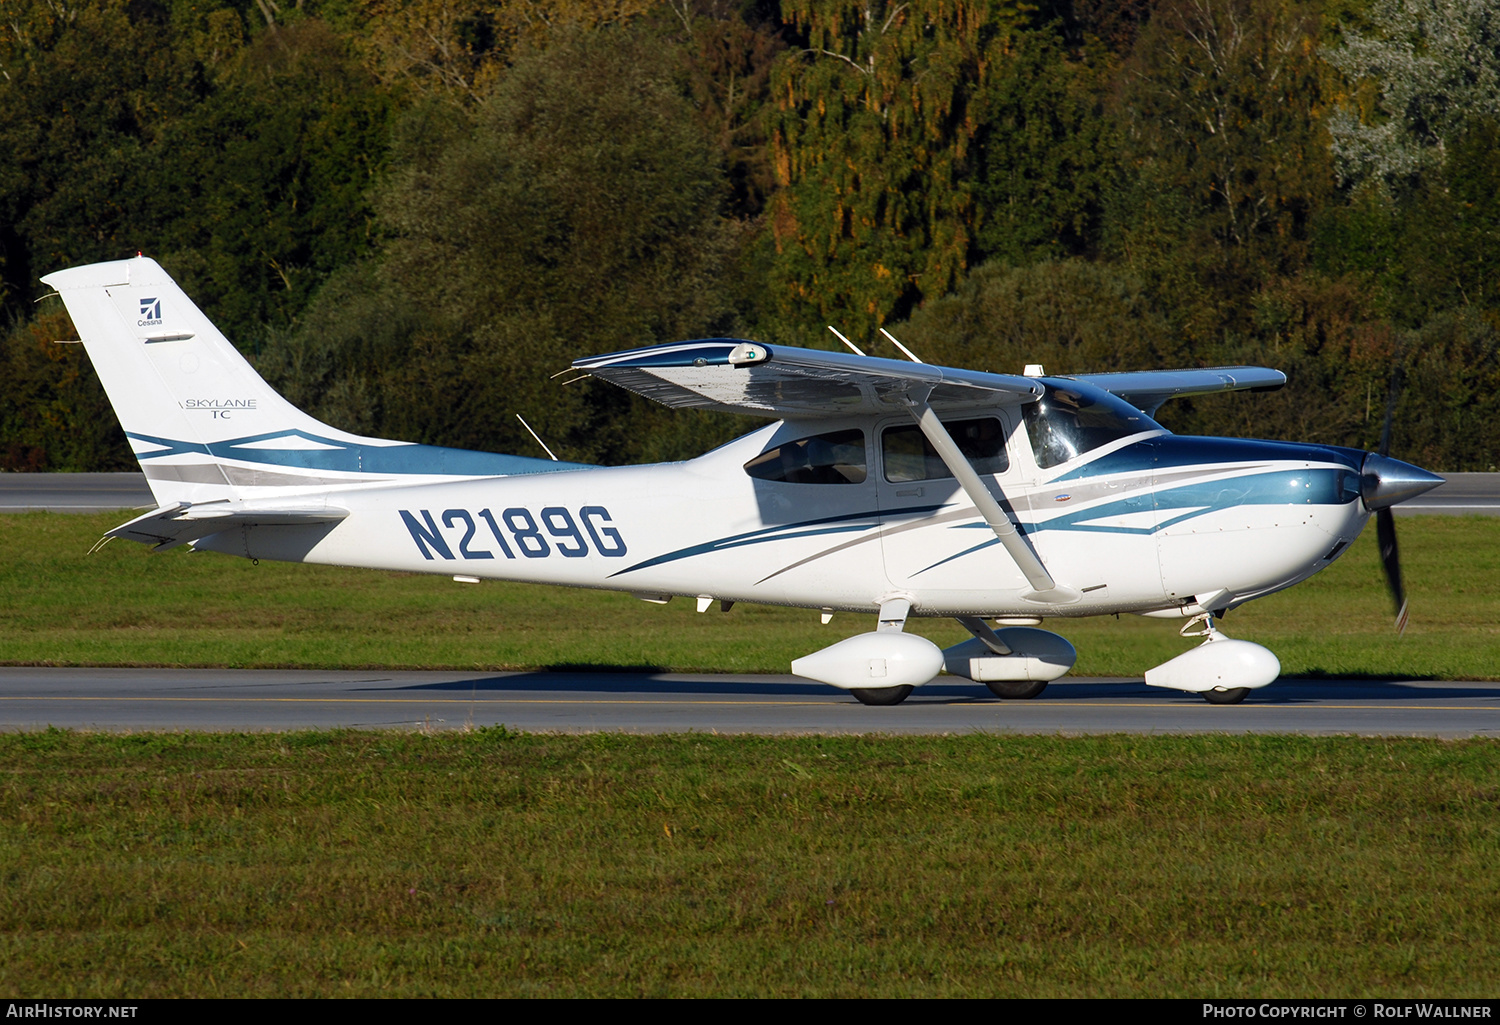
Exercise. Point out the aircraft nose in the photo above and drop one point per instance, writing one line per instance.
(1384, 481)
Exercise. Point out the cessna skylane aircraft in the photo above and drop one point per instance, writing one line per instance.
(883, 486)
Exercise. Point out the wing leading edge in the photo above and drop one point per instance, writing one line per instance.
(734, 376)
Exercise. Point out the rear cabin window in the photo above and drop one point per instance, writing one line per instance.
(837, 457)
(1064, 424)
(908, 455)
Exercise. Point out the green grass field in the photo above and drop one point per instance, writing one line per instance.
(491, 863)
(126, 606)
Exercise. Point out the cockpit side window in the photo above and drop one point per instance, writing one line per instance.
(837, 457)
(908, 455)
(1064, 424)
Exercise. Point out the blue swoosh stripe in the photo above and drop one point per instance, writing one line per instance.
(1167, 451)
(1281, 487)
(383, 459)
(842, 524)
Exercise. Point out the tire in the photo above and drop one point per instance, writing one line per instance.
(1016, 690)
(1232, 696)
(881, 695)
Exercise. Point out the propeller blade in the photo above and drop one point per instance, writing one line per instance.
(1385, 482)
(1392, 394)
(1390, 558)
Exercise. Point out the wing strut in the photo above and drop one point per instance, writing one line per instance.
(1044, 589)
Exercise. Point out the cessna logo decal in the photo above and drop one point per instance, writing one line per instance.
(150, 312)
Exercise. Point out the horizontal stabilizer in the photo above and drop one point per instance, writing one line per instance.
(184, 523)
(1148, 389)
(734, 376)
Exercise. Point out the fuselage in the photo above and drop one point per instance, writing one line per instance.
(1145, 522)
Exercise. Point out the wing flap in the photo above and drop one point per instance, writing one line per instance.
(784, 381)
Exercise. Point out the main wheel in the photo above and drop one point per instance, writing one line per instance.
(1016, 690)
(881, 695)
(1233, 696)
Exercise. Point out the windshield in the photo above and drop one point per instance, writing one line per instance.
(1067, 422)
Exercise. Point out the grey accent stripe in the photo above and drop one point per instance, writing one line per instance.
(190, 473)
(245, 477)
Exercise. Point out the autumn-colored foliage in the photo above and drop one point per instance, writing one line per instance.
(410, 215)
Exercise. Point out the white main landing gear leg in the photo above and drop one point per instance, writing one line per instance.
(1222, 669)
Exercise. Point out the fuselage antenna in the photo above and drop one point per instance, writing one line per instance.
(538, 437)
(846, 341)
(904, 350)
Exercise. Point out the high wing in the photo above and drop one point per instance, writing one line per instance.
(735, 376)
(185, 522)
(1148, 389)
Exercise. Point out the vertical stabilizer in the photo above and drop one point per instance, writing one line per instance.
(203, 424)
(179, 388)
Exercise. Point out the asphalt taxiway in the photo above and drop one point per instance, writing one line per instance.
(642, 702)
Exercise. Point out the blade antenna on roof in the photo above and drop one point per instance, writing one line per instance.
(846, 341)
(905, 351)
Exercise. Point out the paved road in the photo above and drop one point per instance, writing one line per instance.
(73, 492)
(226, 699)
(1464, 494)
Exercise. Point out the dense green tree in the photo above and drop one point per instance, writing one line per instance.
(260, 192)
(53, 414)
(84, 91)
(574, 210)
(241, 163)
(456, 50)
(1432, 247)
(1308, 184)
(1045, 152)
(1228, 158)
(1427, 70)
(1072, 316)
(873, 148)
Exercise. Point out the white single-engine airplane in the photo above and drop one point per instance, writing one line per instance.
(883, 486)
